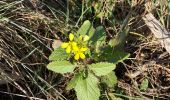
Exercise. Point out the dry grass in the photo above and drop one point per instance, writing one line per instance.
(27, 30)
(25, 43)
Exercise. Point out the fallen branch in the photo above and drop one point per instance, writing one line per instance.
(158, 30)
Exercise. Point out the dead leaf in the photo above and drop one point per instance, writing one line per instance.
(56, 44)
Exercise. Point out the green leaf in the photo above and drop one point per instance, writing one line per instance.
(144, 85)
(87, 88)
(110, 79)
(99, 35)
(119, 41)
(86, 29)
(73, 81)
(98, 39)
(58, 54)
(118, 56)
(102, 68)
(61, 66)
(114, 52)
(113, 55)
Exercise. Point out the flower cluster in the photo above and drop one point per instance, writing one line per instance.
(76, 46)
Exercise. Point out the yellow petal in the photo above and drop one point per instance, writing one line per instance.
(83, 49)
(68, 49)
(71, 36)
(76, 57)
(86, 38)
(64, 45)
(75, 48)
(82, 56)
(73, 44)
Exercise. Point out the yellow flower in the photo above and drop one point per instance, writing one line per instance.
(78, 47)
(69, 45)
(71, 36)
(79, 53)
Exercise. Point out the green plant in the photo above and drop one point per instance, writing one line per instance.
(90, 59)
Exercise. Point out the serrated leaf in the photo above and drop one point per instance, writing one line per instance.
(61, 66)
(73, 81)
(86, 29)
(87, 88)
(101, 69)
(144, 85)
(110, 79)
(58, 54)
